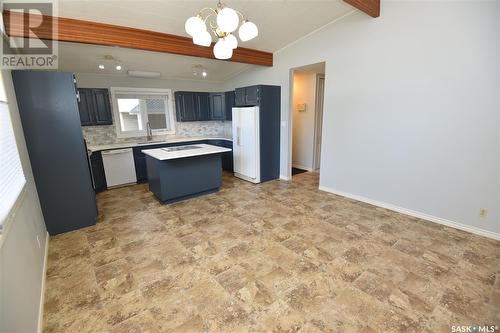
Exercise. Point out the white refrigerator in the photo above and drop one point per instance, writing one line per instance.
(246, 143)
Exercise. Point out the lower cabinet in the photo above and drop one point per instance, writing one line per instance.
(98, 175)
(140, 161)
(227, 158)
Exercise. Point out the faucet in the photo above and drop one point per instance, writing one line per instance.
(149, 132)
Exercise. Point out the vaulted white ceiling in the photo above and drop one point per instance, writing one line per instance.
(280, 22)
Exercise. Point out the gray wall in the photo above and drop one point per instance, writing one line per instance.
(21, 254)
(411, 113)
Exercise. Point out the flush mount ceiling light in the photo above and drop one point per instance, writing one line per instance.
(222, 22)
(199, 70)
(108, 61)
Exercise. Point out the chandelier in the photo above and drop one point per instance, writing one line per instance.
(223, 22)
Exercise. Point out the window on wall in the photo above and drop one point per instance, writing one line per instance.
(12, 178)
(135, 108)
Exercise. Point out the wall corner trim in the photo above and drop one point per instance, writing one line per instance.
(42, 292)
(420, 215)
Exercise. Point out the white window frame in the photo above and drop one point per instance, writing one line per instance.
(169, 104)
(12, 203)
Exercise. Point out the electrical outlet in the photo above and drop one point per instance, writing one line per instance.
(483, 212)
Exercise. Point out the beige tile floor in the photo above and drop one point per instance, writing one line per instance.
(276, 257)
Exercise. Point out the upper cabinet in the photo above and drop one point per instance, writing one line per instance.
(85, 106)
(203, 106)
(247, 96)
(94, 107)
(217, 106)
(185, 106)
(229, 103)
(196, 106)
(192, 106)
(200, 106)
(102, 111)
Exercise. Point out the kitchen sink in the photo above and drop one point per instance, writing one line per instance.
(180, 148)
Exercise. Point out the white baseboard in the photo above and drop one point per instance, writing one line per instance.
(303, 167)
(420, 215)
(283, 177)
(42, 295)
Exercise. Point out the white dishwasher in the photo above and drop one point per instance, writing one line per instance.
(119, 167)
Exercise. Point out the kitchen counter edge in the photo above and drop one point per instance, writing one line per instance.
(123, 145)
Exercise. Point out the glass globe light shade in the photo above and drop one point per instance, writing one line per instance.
(248, 30)
(202, 38)
(194, 25)
(223, 50)
(228, 20)
(232, 41)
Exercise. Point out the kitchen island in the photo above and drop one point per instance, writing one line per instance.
(182, 172)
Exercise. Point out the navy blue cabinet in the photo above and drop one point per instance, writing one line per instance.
(229, 103)
(227, 158)
(268, 98)
(98, 175)
(85, 107)
(239, 97)
(140, 159)
(247, 96)
(252, 95)
(217, 106)
(102, 108)
(192, 106)
(140, 162)
(51, 123)
(202, 106)
(94, 107)
(185, 106)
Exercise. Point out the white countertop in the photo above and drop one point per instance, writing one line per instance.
(162, 154)
(120, 145)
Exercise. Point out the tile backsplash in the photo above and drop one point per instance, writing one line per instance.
(101, 135)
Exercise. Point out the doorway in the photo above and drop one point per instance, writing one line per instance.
(306, 100)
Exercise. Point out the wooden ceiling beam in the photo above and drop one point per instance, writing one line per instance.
(370, 7)
(86, 32)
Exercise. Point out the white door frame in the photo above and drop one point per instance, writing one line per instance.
(318, 121)
(288, 176)
(291, 73)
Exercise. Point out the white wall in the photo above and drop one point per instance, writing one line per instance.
(411, 116)
(304, 91)
(21, 255)
(106, 81)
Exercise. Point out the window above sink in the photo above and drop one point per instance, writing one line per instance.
(135, 108)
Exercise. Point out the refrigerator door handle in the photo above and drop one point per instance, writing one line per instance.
(238, 136)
